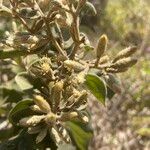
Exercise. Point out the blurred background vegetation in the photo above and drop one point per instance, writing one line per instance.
(125, 123)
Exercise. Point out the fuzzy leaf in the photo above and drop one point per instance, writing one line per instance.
(10, 92)
(20, 106)
(23, 141)
(97, 87)
(23, 82)
(89, 9)
(66, 147)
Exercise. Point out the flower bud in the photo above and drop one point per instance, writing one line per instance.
(50, 119)
(68, 116)
(34, 130)
(82, 99)
(76, 66)
(118, 70)
(41, 135)
(42, 69)
(57, 94)
(55, 136)
(104, 59)
(125, 53)
(64, 134)
(42, 103)
(31, 120)
(69, 103)
(124, 63)
(101, 47)
(36, 108)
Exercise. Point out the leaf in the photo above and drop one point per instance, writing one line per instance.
(10, 92)
(113, 83)
(88, 48)
(110, 93)
(41, 135)
(80, 134)
(23, 141)
(68, 43)
(6, 133)
(95, 71)
(22, 79)
(97, 87)
(66, 147)
(89, 9)
(20, 106)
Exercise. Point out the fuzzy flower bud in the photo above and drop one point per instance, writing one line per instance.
(31, 120)
(76, 66)
(124, 63)
(42, 103)
(104, 59)
(101, 46)
(57, 94)
(125, 53)
(68, 116)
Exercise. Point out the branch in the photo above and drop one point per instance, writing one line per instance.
(75, 36)
(49, 33)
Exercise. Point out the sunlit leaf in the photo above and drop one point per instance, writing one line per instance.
(22, 79)
(10, 92)
(97, 87)
(80, 134)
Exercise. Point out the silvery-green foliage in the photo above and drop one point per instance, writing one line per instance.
(47, 44)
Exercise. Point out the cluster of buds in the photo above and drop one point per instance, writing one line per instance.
(120, 63)
(53, 112)
(62, 98)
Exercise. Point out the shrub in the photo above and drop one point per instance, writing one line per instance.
(49, 87)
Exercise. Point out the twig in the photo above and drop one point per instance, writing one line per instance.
(49, 33)
(76, 38)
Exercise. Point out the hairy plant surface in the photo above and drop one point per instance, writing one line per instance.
(53, 78)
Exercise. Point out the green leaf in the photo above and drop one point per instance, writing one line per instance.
(18, 109)
(80, 134)
(23, 141)
(6, 133)
(10, 92)
(110, 93)
(97, 87)
(23, 81)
